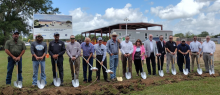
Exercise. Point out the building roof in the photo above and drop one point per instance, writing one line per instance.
(135, 26)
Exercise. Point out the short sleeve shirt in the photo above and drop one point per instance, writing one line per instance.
(15, 48)
(171, 46)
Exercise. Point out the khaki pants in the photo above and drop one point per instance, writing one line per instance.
(170, 58)
(77, 65)
(124, 63)
(207, 60)
(193, 57)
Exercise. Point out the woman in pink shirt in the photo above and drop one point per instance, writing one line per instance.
(138, 55)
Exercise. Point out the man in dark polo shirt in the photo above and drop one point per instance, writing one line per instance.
(56, 51)
(15, 48)
(171, 48)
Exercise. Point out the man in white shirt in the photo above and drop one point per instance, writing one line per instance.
(195, 47)
(150, 53)
(126, 50)
(208, 49)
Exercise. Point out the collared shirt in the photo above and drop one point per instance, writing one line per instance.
(39, 49)
(195, 46)
(183, 48)
(151, 46)
(112, 47)
(56, 48)
(73, 49)
(87, 49)
(100, 50)
(208, 47)
(161, 43)
(171, 46)
(15, 48)
(126, 47)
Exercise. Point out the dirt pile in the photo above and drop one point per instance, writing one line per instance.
(124, 87)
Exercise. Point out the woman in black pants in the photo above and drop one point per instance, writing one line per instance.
(138, 55)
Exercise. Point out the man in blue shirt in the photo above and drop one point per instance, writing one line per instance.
(183, 49)
(88, 50)
(100, 51)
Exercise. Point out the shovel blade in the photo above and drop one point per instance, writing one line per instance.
(56, 82)
(119, 79)
(143, 75)
(173, 71)
(18, 84)
(199, 71)
(128, 75)
(94, 69)
(75, 83)
(40, 84)
(185, 71)
(109, 71)
(161, 73)
(213, 71)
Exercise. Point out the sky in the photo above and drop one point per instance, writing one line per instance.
(179, 16)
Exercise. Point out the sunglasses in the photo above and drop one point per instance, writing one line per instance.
(170, 38)
(161, 38)
(57, 35)
(114, 36)
(183, 41)
(39, 37)
(72, 38)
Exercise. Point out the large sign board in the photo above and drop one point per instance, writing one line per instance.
(47, 25)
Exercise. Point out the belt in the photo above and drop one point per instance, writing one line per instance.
(194, 52)
(115, 53)
(206, 52)
(85, 56)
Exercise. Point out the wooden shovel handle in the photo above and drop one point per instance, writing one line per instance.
(40, 67)
(74, 69)
(17, 67)
(99, 62)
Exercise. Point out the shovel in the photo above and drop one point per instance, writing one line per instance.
(75, 82)
(199, 70)
(211, 70)
(128, 74)
(119, 78)
(143, 74)
(17, 83)
(56, 81)
(107, 70)
(173, 70)
(92, 68)
(185, 71)
(160, 71)
(41, 82)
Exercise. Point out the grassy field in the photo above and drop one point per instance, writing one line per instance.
(209, 85)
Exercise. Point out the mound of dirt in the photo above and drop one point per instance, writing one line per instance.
(124, 87)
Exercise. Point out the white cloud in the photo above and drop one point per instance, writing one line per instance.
(186, 8)
(83, 21)
(214, 7)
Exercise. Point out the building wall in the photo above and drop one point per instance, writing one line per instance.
(143, 34)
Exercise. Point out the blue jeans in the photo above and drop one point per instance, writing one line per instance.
(35, 72)
(10, 68)
(85, 69)
(113, 65)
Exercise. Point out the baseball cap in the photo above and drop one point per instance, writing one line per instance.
(56, 33)
(99, 38)
(16, 32)
(183, 40)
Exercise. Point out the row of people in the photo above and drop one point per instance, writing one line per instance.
(15, 48)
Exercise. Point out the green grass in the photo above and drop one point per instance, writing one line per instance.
(207, 86)
(203, 86)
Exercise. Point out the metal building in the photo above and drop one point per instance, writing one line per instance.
(135, 34)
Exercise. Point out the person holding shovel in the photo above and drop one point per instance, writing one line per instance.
(138, 56)
(208, 49)
(100, 51)
(15, 48)
(73, 50)
(150, 53)
(112, 48)
(88, 50)
(38, 51)
(171, 49)
(56, 51)
(126, 50)
(161, 51)
(183, 50)
(195, 47)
